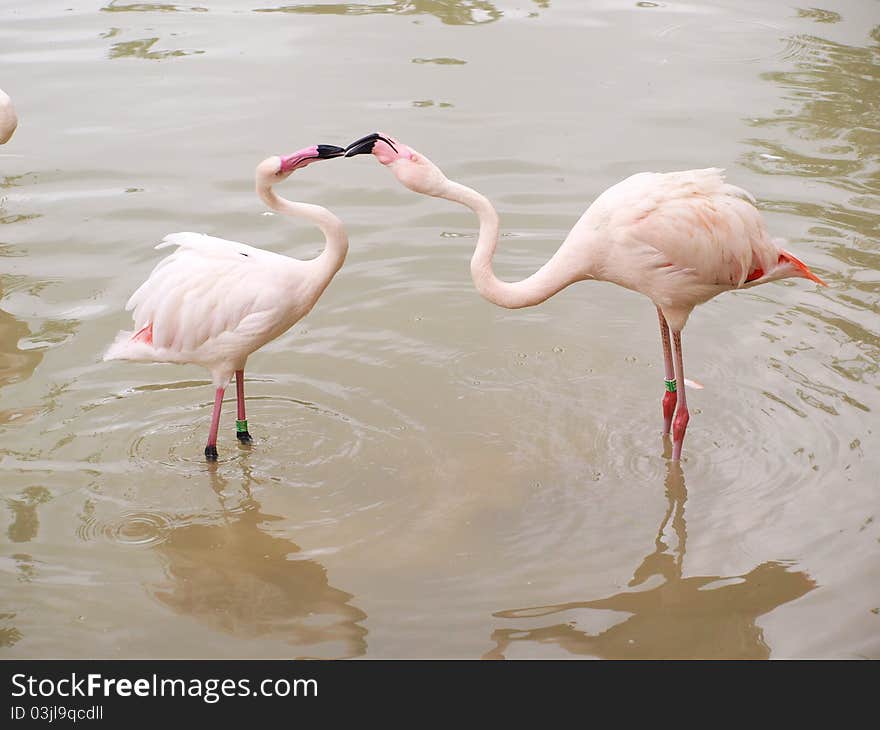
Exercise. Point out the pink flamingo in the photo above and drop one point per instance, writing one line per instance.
(8, 119)
(679, 238)
(213, 302)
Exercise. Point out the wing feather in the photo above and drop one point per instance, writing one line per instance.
(206, 288)
(694, 221)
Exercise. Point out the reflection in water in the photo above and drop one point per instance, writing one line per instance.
(13, 181)
(423, 103)
(441, 61)
(819, 15)
(16, 217)
(141, 49)
(9, 635)
(112, 7)
(229, 573)
(832, 91)
(25, 566)
(682, 618)
(15, 364)
(25, 523)
(828, 132)
(451, 12)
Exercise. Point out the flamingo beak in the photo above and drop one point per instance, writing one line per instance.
(307, 156)
(364, 145)
(329, 151)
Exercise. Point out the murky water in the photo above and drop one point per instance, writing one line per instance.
(433, 476)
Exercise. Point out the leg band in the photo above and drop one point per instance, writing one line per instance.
(670, 385)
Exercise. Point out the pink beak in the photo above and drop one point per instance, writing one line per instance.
(308, 155)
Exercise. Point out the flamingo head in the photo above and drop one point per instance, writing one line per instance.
(279, 167)
(411, 168)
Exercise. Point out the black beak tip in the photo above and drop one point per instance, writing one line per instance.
(365, 145)
(361, 146)
(361, 149)
(328, 151)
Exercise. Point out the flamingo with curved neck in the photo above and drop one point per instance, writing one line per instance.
(679, 238)
(214, 302)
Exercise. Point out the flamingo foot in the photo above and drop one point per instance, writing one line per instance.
(241, 431)
(211, 452)
(678, 429)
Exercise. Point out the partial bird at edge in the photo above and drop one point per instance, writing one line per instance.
(8, 118)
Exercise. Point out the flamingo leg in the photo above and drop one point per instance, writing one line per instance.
(241, 424)
(211, 448)
(679, 426)
(670, 396)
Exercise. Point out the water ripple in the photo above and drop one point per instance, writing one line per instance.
(730, 41)
(134, 529)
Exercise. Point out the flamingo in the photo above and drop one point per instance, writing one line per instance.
(8, 119)
(214, 302)
(679, 238)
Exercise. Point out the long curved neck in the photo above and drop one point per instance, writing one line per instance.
(330, 260)
(555, 275)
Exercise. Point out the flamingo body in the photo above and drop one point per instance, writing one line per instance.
(213, 302)
(679, 238)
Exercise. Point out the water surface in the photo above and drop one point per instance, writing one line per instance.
(433, 476)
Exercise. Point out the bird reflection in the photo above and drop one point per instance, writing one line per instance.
(681, 618)
(230, 573)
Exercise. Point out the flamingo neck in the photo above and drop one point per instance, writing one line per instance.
(560, 271)
(330, 260)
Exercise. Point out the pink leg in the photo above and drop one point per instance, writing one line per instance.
(669, 397)
(681, 415)
(241, 425)
(211, 448)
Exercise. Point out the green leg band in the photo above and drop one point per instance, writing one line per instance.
(241, 426)
(670, 385)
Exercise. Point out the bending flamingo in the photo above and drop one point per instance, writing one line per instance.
(679, 238)
(8, 119)
(213, 302)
